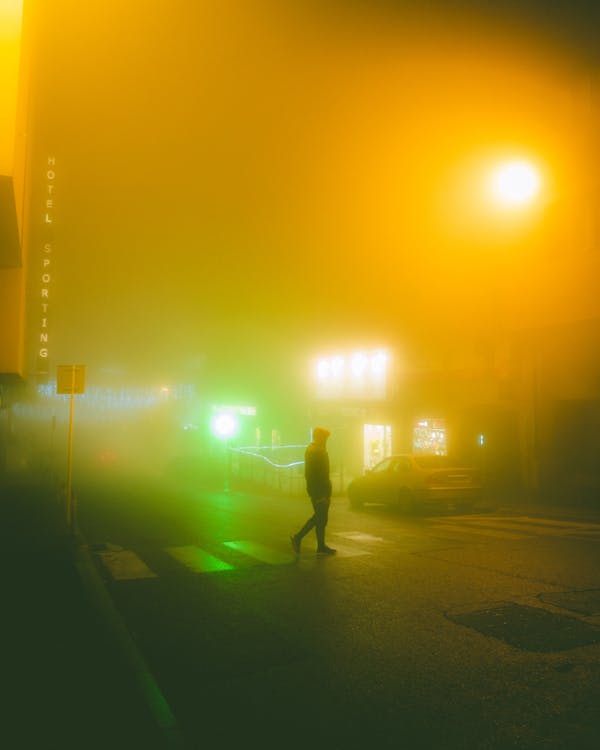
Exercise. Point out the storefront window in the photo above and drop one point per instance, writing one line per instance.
(377, 443)
(429, 436)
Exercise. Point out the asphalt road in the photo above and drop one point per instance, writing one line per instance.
(435, 631)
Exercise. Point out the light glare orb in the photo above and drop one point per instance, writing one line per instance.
(516, 182)
(379, 363)
(359, 364)
(322, 369)
(337, 367)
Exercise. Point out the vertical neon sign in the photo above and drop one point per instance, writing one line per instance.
(46, 264)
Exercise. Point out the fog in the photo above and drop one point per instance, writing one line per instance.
(242, 185)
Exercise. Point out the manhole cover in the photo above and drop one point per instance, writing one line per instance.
(530, 628)
(584, 602)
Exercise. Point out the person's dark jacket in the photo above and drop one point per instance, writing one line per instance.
(316, 472)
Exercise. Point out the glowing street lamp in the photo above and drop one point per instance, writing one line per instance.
(515, 183)
(225, 425)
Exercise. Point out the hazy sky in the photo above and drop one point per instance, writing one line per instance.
(244, 183)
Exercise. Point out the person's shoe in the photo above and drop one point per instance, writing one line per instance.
(326, 551)
(295, 544)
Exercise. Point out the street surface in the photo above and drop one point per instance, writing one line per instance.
(434, 631)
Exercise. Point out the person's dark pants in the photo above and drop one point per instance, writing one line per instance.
(318, 521)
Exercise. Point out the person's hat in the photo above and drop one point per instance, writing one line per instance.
(320, 432)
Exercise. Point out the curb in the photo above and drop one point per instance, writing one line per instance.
(147, 685)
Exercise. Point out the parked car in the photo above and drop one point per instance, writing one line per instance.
(413, 481)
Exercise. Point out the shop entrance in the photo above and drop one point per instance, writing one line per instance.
(377, 443)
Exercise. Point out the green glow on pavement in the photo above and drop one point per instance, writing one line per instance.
(260, 552)
(198, 560)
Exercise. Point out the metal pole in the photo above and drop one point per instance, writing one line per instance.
(70, 450)
(227, 466)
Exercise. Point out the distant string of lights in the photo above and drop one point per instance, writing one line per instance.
(122, 397)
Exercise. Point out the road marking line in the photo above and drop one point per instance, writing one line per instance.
(570, 524)
(197, 560)
(525, 528)
(477, 532)
(520, 520)
(530, 526)
(260, 552)
(125, 565)
(582, 534)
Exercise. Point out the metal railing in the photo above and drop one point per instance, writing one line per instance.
(278, 467)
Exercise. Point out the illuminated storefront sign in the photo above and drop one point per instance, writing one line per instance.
(429, 436)
(361, 375)
(45, 277)
(245, 411)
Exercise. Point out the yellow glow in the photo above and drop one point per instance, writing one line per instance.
(10, 47)
(516, 183)
(329, 160)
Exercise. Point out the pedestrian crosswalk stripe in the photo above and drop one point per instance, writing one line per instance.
(125, 565)
(197, 560)
(260, 552)
(343, 551)
(358, 536)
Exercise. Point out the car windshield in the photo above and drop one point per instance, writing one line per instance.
(434, 462)
(382, 465)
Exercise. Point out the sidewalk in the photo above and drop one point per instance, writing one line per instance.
(67, 685)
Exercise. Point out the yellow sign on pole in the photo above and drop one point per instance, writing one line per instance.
(70, 379)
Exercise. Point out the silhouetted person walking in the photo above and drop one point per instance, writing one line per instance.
(318, 486)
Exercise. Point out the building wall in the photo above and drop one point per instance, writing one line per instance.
(14, 110)
(11, 315)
